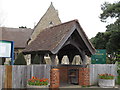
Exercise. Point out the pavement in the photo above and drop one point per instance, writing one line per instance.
(78, 86)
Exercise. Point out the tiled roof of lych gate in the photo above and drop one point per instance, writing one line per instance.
(20, 36)
(51, 37)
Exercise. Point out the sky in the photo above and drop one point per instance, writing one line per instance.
(16, 13)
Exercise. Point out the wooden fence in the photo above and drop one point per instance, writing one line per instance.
(21, 73)
(96, 69)
(2, 69)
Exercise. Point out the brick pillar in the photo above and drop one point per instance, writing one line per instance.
(54, 78)
(84, 77)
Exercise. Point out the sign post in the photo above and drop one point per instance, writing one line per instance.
(7, 50)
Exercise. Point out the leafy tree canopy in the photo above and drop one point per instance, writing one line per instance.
(110, 39)
(110, 10)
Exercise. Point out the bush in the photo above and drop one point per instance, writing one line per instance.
(36, 59)
(20, 60)
(118, 80)
(118, 72)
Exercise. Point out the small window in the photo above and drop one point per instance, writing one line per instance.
(51, 23)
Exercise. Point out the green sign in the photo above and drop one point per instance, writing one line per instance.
(99, 57)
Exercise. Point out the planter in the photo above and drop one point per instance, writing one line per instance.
(106, 83)
(32, 86)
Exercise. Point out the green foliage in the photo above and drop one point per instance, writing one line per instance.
(114, 26)
(108, 60)
(38, 82)
(36, 59)
(114, 42)
(118, 56)
(109, 40)
(118, 72)
(118, 80)
(20, 60)
(106, 76)
(110, 10)
(98, 41)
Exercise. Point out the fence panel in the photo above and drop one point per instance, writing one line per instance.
(19, 76)
(96, 69)
(2, 72)
(40, 71)
(21, 73)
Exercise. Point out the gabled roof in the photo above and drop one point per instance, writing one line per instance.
(20, 36)
(52, 39)
(50, 18)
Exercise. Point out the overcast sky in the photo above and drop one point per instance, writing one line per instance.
(27, 13)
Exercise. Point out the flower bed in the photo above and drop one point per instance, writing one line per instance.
(106, 80)
(35, 82)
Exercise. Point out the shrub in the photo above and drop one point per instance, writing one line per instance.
(118, 72)
(36, 59)
(20, 60)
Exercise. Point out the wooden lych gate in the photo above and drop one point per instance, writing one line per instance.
(64, 39)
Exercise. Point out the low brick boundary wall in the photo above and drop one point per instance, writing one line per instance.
(84, 76)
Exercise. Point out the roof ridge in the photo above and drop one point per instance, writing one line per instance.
(14, 28)
(75, 20)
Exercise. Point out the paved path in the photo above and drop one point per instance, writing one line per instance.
(78, 86)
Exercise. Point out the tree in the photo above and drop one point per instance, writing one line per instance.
(110, 39)
(36, 59)
(111, 11)
(20, 60)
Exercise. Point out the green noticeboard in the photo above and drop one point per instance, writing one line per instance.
(99, 57)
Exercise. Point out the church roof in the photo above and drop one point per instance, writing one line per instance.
(52, 39)
(50, 18)
(20, 36)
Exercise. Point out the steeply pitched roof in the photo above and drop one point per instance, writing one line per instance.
(50, 18)
(51, 39)
(19, 35)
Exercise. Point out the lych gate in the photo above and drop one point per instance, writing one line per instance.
(63, 39)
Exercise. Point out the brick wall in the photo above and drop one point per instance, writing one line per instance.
(63, 74)
(84, 76)
(54, 78)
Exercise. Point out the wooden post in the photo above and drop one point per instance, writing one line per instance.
(8, 76)
(41, 56)
(53, 59)
(84, 58)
